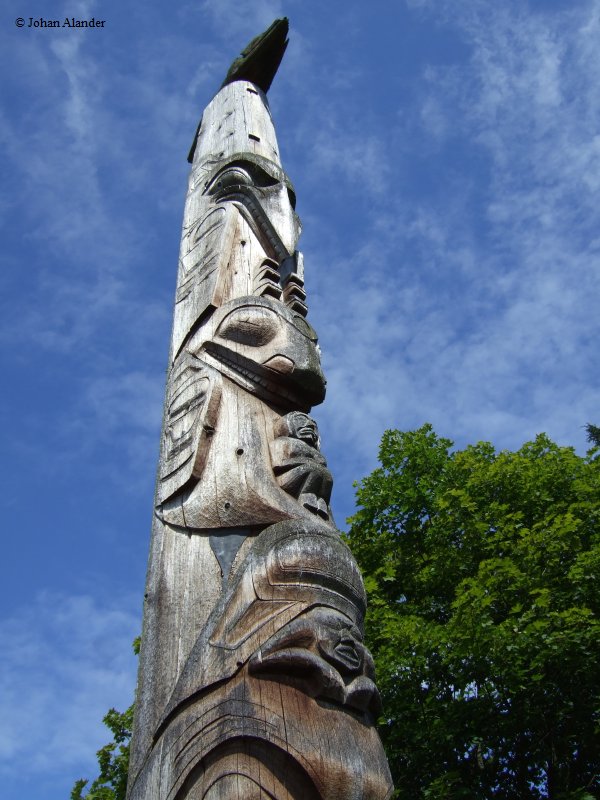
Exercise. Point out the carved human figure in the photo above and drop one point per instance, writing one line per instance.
(254, 678)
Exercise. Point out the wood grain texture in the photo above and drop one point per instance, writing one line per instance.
(254, 680)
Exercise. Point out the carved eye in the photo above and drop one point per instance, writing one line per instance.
(251, 326)
(347, 651)
(229, 178)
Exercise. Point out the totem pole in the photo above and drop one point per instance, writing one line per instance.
(254, 681)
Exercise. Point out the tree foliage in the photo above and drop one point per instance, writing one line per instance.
(483, 574)
(113, 758)
(482, 570)
(593, 434)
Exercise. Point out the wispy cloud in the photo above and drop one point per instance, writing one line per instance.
(65, 661)
(474, 308)
(450, 204)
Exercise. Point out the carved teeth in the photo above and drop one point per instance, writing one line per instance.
(254, 378)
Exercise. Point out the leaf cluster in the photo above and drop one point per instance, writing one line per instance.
(482, 570)
(113, 758)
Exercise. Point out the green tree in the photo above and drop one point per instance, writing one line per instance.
(482, 570)
(113, 758)
(593, 434)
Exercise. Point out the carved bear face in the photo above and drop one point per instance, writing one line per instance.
(267, 349)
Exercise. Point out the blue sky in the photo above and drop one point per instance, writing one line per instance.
(446, 158)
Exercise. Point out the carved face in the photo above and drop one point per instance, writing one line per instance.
(322, 652)
(268, 350)
(237, 157)
(304, 428)
(240, 228)
(264, 195)
(338, 640)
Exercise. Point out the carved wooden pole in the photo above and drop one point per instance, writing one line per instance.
(254, 681)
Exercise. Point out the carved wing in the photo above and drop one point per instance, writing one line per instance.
(192, 409)
(205, 252)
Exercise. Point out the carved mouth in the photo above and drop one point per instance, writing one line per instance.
(262, 381)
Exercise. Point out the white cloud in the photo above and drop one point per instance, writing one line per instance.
(127, 409)
(475, 308)
(341, 153)
(126, 402)
(452, 263)
(65, 661)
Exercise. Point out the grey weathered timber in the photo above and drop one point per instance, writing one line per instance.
(254, 680)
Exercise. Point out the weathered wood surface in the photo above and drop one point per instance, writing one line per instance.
(254, 681)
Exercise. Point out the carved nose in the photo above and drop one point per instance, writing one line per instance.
(281, 364)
